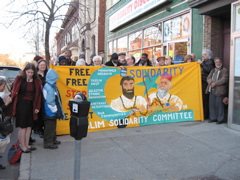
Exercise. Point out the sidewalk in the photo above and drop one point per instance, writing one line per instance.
(186, 150)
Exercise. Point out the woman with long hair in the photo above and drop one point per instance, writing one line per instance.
(26, 97)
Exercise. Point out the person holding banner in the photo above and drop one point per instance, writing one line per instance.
(144, 61)
(207, 65)
(113, 61)
(188, 58)
(97, 61)
(217, 90)
(127, 101)
(162, 100)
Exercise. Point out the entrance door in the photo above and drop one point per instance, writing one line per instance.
(234, 76)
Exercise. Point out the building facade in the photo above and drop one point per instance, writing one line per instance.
(157, 28)
(83, 29)
(220, 21)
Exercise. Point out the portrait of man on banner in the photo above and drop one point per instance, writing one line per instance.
(128, 101)
(162, 100)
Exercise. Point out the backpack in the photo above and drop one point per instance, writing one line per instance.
(14, 153)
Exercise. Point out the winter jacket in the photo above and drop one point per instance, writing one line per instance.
(221, 87)
(207, 66)
(52, 102)
(139, 62)
(12, 108)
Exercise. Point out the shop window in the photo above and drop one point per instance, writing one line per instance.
(122, 44)
(157, 52)
(237, 18)
(115, 46)
(135, 40)
(186, 26)
(153, 35)
(182, 48)
(149, 51)
(137, 54)
(177, 28)
(110, 47)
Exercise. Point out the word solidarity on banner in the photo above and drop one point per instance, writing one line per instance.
(132, 96)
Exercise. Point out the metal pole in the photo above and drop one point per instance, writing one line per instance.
(77, 159)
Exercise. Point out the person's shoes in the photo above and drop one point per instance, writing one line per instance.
(51, 147)
(56, 142)
(32, 148)
(211, 121)
(26, 151)
(2, 167)
(31, 141)
(36, 131)
(219, 122)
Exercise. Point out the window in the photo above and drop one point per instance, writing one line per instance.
(153, 35)
(137, 54)
(177, 28)
(110, 45)
(75, 33)
(160, 39)
(115, 46)
(135, 40)
(122, 44)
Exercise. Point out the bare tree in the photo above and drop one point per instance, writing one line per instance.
(46, 12)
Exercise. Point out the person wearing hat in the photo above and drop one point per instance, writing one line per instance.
(162, 100)
(91, 59)
(62, 60)
(121, 58)
(113, 61)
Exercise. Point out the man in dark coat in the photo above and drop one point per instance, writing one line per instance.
(144, 61)
(207, 65)
(113, 61)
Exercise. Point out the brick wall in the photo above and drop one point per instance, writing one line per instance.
(213, 35)
(101, 25)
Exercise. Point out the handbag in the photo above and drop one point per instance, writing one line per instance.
(6, 126)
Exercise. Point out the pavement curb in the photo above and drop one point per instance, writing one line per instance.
(24, 168)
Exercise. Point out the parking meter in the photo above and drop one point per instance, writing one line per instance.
(79, 108)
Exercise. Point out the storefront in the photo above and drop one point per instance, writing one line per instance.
(155, 27)
(217, 25)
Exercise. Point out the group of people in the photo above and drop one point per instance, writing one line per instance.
(35, 102)
(214, 86)
(121, 59)
(214, 75)
(66, 60)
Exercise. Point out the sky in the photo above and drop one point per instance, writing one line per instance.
(11, 39)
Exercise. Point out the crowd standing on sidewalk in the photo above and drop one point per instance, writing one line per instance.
(35, 90)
